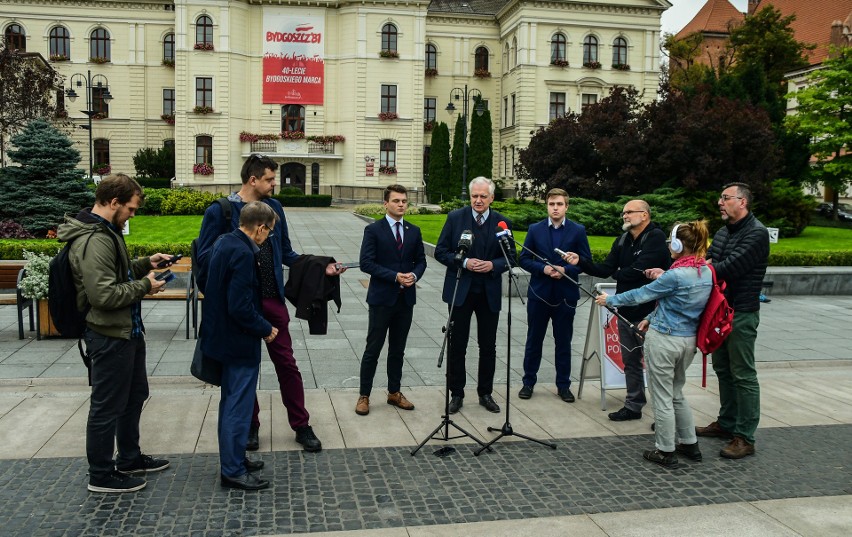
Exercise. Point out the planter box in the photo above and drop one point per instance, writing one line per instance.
(45, 323)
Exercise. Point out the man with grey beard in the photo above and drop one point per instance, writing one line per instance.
(641, 246)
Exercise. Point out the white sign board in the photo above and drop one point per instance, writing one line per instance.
(773, 234)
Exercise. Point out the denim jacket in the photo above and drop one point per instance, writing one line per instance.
(681, 295)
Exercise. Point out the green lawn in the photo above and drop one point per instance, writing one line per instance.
(159, 229)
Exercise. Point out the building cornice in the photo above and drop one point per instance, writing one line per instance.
(152, 5)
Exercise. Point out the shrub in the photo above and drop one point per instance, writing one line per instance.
(153, 162)
(320, 200)
(369, 209)
(9, 229)
(34, 284)
(154, 183)
(184, 201)
(291, 191)
(153, 200)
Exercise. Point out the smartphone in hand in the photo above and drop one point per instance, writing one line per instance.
(170, 261)
(165, 276)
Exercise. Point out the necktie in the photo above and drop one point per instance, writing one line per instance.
(398, 236)
(479, 220)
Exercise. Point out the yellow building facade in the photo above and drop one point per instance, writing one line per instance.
(197, 74)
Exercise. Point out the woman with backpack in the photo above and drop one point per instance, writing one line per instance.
(681, 294)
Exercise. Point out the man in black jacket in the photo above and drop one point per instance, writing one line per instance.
(739, 253)
(642, 246)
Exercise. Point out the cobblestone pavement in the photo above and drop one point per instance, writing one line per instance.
(387, 487)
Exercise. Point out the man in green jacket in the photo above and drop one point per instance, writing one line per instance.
(107, 279)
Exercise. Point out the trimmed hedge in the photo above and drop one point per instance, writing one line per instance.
(154, 182)
(319, 200)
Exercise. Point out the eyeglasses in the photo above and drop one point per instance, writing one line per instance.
(623, 213)
(725, 197)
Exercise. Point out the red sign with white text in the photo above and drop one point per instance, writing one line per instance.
(293, 63)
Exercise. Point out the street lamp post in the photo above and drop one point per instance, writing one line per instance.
(465, 96)
(90, 82)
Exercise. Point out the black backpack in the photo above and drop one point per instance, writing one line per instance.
(199, 270)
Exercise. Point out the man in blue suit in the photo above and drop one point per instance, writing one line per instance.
(479, 290)
(550, 299)
(231, 330)
(392, 254)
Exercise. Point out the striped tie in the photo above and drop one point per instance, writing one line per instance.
(479, 220)
(398, 236)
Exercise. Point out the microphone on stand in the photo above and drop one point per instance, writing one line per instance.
(504, 235)
(465, 242)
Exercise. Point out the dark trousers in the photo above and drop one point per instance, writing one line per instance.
(486, 335)
(289, 378)
(119, 389)
(539, 314)
(634, 376)
(238, 393)
(739, 390)
(392, 322)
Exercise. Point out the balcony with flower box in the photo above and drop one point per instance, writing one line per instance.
(293, 144)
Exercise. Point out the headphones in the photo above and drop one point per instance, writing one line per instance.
(675, 244)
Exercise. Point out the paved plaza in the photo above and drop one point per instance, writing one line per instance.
(365, 482)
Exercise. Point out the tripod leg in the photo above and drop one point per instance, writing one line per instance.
(423, 443)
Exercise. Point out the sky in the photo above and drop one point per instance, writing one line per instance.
(682, 11)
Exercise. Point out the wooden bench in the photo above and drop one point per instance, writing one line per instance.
(9, 270)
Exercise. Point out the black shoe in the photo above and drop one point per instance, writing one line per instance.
(566, 395)
(253, 443)
(252, 465)
(144, 463)
(116, 482)
(663, 458)
(489, 403)
(305, 436)
(625, 414)
(245, 482)
(690, 451)
(456, 403)
(526, 392)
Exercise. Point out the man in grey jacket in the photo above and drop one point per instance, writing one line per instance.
(113, 285)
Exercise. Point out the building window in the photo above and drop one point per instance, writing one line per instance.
(480, 59)
(505, 161)
(512, 170)
(204, 91)
(513, 109)
(16, 39)
(169, 48)
(60, 103)
(431, 56)
(427, 154)
(505, 111)
(430, 107)
(588, 98)
(204, 150)
(204, 31)
(506, 58)
(388, 98)
(387, 153)
(292, 118)
(169, 145)
(557, 48)
(99, 46)
(99, 105)
(60, 43)
(389, 38)
(100, 156)
(619, 51)
(590, 49)
(557, 105)
(514, 52)
(169, 102)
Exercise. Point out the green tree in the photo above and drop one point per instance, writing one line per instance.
(480, 158)
(824, 114)
(457, 159)
(439, 165)
(150, 162)
(27, 83)
(46, 184)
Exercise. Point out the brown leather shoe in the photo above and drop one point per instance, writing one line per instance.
(398, 400)
(714, 430)
(363, 406)
(737, 449)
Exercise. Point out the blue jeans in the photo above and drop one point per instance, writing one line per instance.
(238, 387)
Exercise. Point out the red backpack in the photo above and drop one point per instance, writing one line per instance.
(715, 323)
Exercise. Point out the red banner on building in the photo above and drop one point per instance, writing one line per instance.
(293, 56)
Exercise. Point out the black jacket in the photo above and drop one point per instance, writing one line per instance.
(627, 258)
(740, 253)
(308, 288)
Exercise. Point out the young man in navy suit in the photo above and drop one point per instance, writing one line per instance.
(479, 290)
(392, 254)
(549, 298)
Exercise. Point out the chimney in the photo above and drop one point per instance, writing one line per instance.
(752, 6)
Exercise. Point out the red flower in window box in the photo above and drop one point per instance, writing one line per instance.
(388, 116)
(202, 169)
(203, 46)
(482, 73)
(559, 63)
(387, 170)
(203, 109)
(389, 54)
(592, 65)
(168, 118)
(326, 138)
(431, 72)
(99, 59)
(292, 135)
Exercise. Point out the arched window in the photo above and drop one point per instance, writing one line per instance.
(100, 155)
(619, 52)
(389, 35)
(204, 150)
(480, 59)
(514, 52)
(292, 118)
(59, 43)
(590, 49)
(557, 48)
(431, 56)
(169, 48)
(99, 46)
(506, 58)
(16, 39)
(204, 31)
(387, 153)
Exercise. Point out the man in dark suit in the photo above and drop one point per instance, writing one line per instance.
(392, 254)
(479, 290)
(231, 330)
(549, 298)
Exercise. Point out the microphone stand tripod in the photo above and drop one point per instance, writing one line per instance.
(446, 422)
(506, 429)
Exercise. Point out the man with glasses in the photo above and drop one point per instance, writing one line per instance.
(642, 246)
(739, 253)
(258, 177)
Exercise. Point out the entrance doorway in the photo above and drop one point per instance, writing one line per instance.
(292, 174)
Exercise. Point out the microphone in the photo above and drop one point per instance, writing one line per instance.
(465, 242)
(504, 234)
